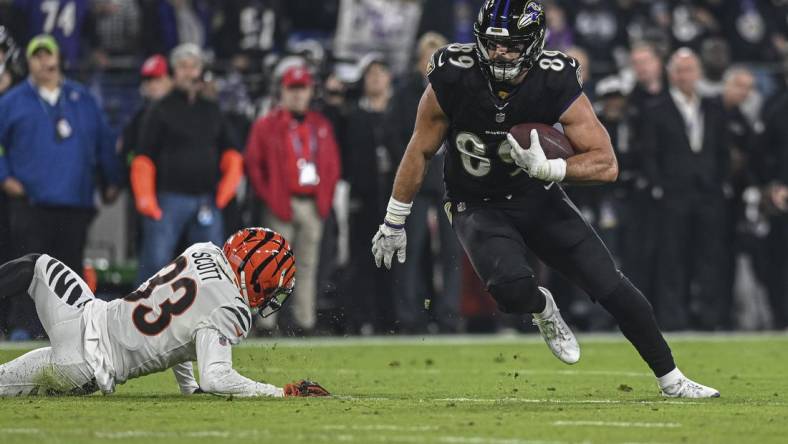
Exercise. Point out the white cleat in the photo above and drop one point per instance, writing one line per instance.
(556, 333)
(687, 388)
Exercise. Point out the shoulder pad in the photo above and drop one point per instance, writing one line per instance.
(446, 68)
(448, 63)
(563, 70)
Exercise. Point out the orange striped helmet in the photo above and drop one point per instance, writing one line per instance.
(264, 265)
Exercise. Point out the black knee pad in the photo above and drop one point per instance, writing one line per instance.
(518, 296)
(16, 275)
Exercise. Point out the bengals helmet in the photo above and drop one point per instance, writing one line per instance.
(265, 267)
(519, 25)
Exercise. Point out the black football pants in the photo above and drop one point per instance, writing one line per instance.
(496, 234)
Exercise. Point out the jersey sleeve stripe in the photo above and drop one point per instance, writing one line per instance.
(75, 294)
(64, 282)
(245, 311)
(55, 271)
(238, 316)
(51, 262)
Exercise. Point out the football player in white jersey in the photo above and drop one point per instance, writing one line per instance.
(194, 309)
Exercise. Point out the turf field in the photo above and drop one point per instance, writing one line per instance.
(461, 390)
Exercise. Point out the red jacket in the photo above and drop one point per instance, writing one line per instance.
(267, 149)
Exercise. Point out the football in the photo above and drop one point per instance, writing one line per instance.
(554, 142)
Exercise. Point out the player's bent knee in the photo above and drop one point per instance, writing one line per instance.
(517, 296)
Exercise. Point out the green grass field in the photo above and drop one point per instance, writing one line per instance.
(496, 390)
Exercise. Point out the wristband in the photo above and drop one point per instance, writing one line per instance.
(554, 170)
(396, 213)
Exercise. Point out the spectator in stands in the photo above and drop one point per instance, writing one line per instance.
(68, 21)
(389, 27)
(334, 247)
(248, 30)
(599, 30)
(372, 152)
(715, 56)
(55, 139)
(691, 22)
(11, 61)
(773, 168)
(638, 247)
(451, 18)
(415, 283)
(615, 220)
(293, 164)
(750, 30)
(738, 84)
(186, 169)
(117, 27)
(155, 84)
(559, 35)
(170, 23)
(685, 152)
(9, 75)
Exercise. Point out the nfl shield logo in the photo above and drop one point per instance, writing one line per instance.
(500, 117)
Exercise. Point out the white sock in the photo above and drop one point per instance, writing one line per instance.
(671, 378)
(549, 307)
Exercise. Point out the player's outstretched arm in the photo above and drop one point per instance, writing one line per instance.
(596, 161)
(428, 134)
(217, 375)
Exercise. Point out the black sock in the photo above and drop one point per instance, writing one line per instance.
(16, 275)
(636, 320)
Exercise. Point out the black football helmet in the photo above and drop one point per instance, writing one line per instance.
(518, 25)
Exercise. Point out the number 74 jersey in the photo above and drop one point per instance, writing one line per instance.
(478, 164)
(154, 327)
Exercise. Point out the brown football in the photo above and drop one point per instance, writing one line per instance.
(554, 142)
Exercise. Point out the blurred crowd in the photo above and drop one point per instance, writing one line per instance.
(212, 115)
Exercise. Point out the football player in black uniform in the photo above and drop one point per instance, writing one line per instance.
(502, 197)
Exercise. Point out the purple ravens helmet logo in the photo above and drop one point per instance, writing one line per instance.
(530, 14)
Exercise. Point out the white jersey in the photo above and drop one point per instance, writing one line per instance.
(155, 327)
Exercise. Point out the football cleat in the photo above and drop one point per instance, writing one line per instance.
(684, 387)
(556, 333)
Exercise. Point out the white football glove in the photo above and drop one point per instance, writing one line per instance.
(387, 241)
(534, 162)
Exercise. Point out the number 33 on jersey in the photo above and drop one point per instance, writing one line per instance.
(154, 327)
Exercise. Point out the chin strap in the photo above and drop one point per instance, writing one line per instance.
(243, 286)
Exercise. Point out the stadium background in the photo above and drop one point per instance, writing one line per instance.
(249, 44)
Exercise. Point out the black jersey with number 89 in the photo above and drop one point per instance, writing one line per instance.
(478, 164)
